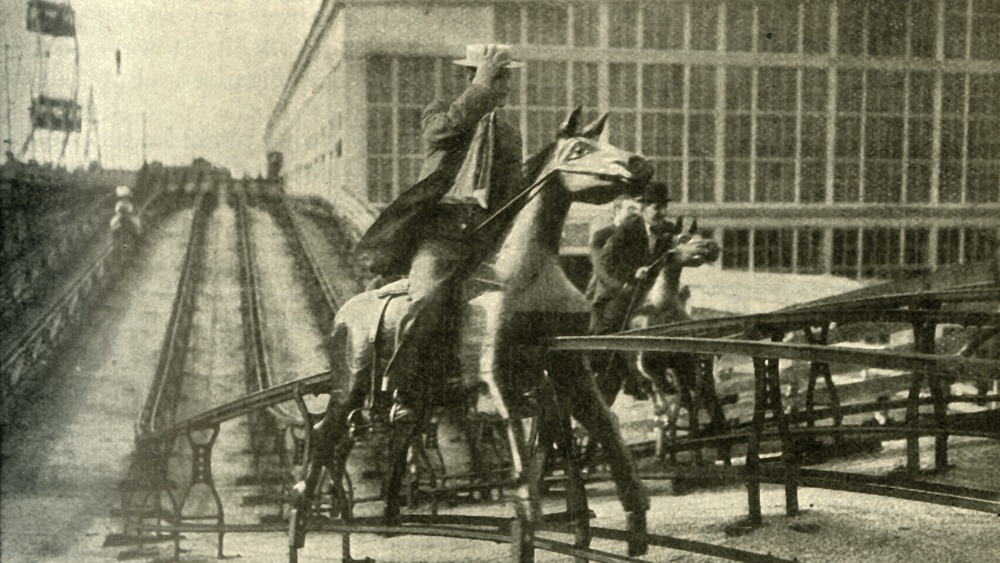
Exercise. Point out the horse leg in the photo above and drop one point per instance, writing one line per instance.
(588, 407)
(403, 432)
(326, 442)
(557, 429)
(706, 374)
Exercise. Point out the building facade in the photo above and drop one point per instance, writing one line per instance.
(852, 137)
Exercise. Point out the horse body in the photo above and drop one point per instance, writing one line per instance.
(518, 297)
(675, 380)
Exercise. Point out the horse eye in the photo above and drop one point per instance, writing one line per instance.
(578, 150)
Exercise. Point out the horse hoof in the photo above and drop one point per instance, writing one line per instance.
(638, 544)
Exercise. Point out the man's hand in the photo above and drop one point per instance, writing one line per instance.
(642, 273)
(493, 61)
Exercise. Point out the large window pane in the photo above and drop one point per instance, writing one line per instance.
(701, 133)
(701, 180)
(918, 182)
(810, 251)
(585, 85)
(662, 86)
(814, 89)
(546, 24)
(849, 90)
(661, 134)
(850, 27)
(984, 182)
(816, 36)
(813, 137)
(739, 25)
(736, 249)
(737, 185)
(775, 181)
(662, 25)
(921, 92)
(887, 28)
(986, 35)
(879, 252)
(622, 87)
(772, 250)
(922, 28)
(884, 137)
(416, 80)
(954, 28)
(845, 253)
(948, 246)
(738, 136)
(378, 79)
(775, 136)
(507, 22)
(885, 92)
(704, 25)
(546, 83)
(702, 94)
(738, 88)
(813, 182)
(845, 182)
(586, 24)
(778, 22)
(883, 181)
(776, 89)
(623, 29)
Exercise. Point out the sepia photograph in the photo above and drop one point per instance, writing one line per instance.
(456, 281)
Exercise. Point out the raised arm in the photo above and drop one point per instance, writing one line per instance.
(444, 123)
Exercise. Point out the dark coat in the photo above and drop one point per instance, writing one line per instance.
(447, 130)
(626, 250)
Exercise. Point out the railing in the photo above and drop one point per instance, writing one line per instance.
(924, 367)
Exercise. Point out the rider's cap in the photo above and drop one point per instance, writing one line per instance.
(474, 55)
(123, 191)
(655, 192)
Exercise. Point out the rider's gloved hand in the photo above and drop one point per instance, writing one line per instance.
(642, 273)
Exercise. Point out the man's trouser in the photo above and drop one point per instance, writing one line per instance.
(427, 359)
(610, 369)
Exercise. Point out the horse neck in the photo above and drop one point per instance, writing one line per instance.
(534, 235)
(667, 286)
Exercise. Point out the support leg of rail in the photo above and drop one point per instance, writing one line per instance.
(522, 547)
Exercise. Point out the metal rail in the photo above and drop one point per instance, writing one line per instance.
(953, 366)
(158, 410)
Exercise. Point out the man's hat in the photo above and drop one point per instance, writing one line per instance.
(123, 191)
(655, 192)
(474, 56)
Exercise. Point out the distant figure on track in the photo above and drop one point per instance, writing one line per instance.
(126, 226)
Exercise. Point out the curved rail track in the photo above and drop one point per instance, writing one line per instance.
(277, 409)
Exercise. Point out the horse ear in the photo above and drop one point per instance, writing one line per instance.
(595, 129)
(679, 226)
(694, 226)
(571, 126)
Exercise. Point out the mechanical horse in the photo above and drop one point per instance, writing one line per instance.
(672, 380)
(517, 298)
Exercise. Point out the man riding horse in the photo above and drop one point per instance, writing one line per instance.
(623, 271)
(472, 168)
